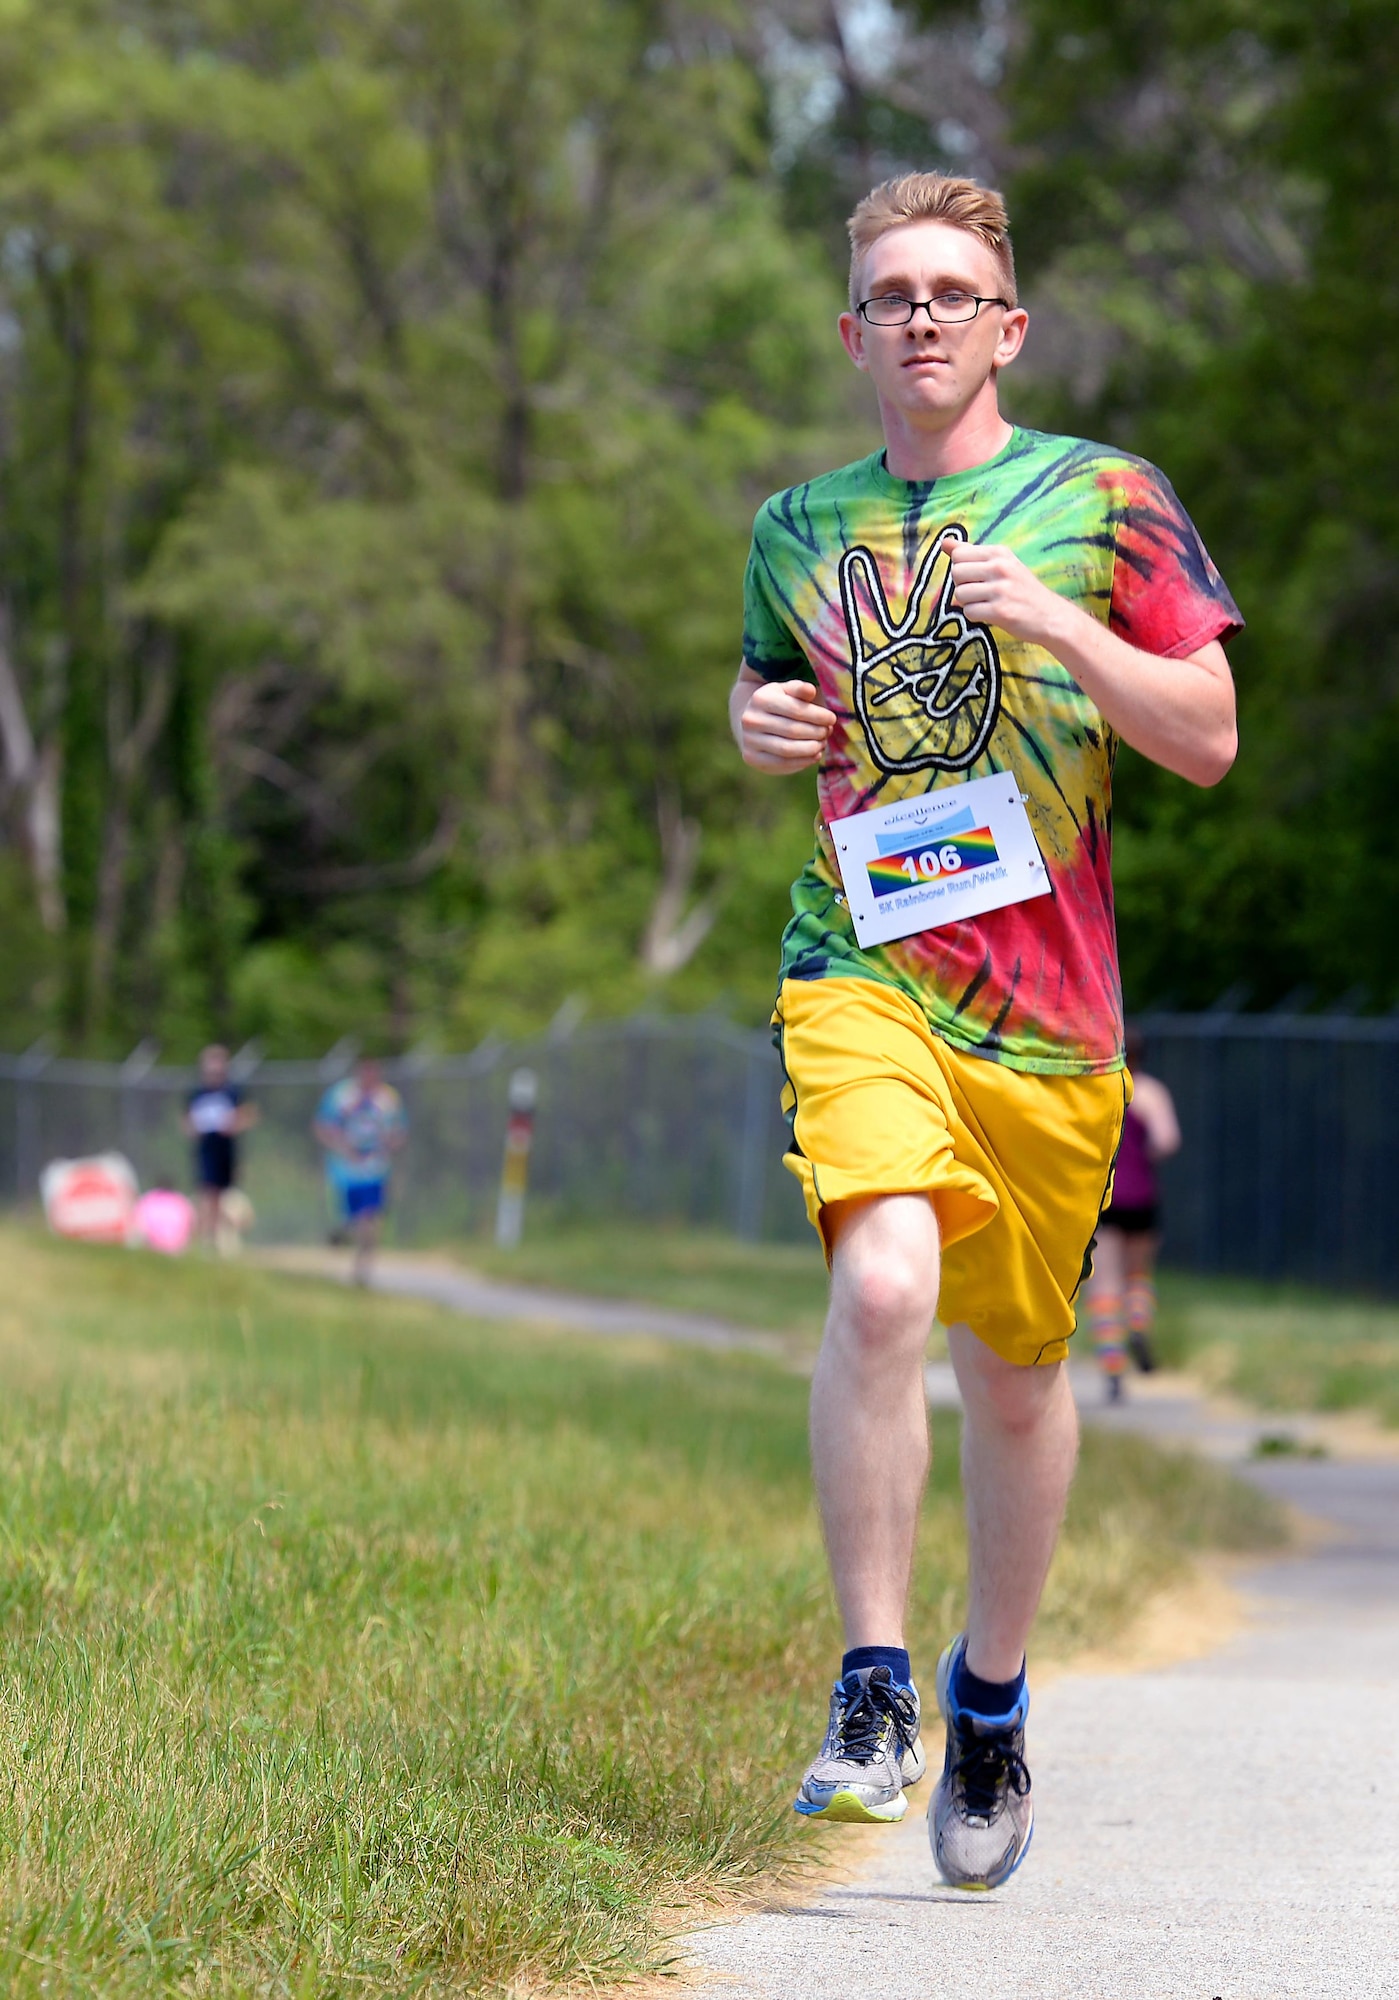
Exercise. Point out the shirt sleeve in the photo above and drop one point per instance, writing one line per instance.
(769, 645)
(1167, 596)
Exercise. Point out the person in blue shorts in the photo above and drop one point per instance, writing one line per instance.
(362, 1126)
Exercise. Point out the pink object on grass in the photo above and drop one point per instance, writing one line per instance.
(163, 1220)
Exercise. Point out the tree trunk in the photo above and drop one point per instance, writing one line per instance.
(32, 776)
(128, 749)
(111, 904)
(673, 935)
(510, 674)
(70, 292)
(44, 832)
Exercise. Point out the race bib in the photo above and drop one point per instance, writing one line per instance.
(937, 859)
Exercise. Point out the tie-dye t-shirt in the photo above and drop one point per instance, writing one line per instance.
(847, 584)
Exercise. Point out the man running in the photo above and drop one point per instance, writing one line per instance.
(361, 1124)
(956, 632)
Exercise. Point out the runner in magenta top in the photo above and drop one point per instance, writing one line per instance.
(1134, 1185)
(1121, 1293)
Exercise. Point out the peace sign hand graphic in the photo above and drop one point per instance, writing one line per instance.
(928, 684)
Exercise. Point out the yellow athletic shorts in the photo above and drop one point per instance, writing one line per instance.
(1018, 1167)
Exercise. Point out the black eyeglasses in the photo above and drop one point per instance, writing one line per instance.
(947, 309)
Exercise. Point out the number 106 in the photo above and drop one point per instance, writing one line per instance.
(932, 862)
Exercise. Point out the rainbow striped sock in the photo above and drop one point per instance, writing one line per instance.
(1107, 1331)
(1141, 1304)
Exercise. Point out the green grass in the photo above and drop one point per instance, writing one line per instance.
(349, 1647)
(1284, 1348)
(777, 1286)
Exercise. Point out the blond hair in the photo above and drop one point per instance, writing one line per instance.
(964, 204)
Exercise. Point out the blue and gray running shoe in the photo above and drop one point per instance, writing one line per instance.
(981, 1817)
(870, 1753)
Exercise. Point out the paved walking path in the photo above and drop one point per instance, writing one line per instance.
(1226, 1828)
(467, 1291)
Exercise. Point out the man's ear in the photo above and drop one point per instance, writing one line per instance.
(1013, 329)
(852, 338)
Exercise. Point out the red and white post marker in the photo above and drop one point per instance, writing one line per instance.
(514, 1173)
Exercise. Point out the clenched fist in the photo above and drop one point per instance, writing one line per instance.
(782, 727)
(991, 586)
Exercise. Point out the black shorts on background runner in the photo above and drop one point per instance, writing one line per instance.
(1141, 1221)
(215, 1161)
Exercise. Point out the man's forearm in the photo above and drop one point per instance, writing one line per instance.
(1177, 712)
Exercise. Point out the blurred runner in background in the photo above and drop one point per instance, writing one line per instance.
(362, 1126)
(1122, 1289)
(216, 1115)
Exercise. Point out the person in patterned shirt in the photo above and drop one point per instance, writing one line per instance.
(955, 633)
(361, 1124)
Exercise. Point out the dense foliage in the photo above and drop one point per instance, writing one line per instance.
(385, 390)
(1219, 185)
(382, 414)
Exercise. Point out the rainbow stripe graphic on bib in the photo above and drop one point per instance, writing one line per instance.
(932, 858)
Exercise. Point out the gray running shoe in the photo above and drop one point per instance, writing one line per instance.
(870, 1754)
(981, 1817)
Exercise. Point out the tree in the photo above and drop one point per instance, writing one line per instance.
(1221, 182)
(390, 396)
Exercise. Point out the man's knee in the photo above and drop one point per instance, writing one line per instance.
(889, 1308)
(885, 1276)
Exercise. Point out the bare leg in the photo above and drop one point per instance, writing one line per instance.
(207, 1203)
(869, 1417)
(366, 1243)
(1019, 1445)
(1140, 1294)
(1105, 1299)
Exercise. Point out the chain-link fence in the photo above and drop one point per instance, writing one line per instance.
(669, 1118)
(1290, 1166)
(1290, 1162)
